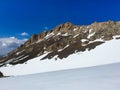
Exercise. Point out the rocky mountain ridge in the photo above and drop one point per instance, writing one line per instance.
(62, 41)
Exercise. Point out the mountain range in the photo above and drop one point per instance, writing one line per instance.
(64, 47)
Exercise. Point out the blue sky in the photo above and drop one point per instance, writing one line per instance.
(33, 16)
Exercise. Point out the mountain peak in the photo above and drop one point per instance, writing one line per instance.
(64, 40)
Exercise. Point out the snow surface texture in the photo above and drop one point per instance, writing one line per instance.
(104, 54)
(106, 77)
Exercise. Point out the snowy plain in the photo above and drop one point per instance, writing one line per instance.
(106, 53)
(106, 77)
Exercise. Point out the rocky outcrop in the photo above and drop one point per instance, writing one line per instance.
(63, 40)
(1, 74)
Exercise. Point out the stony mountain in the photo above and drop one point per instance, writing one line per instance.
(63, 41)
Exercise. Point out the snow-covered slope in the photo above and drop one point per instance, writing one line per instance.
(105, 53)
(105, 77)
(66, 46)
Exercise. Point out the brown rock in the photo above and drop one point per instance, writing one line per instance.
(1, 74)
(69, 40)
(33, 38)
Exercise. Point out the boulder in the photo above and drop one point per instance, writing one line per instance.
(1, 74)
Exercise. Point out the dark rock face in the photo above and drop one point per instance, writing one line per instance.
(63, 40)
(1, 75)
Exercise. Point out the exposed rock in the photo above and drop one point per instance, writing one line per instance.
(1, 74)
(63, 40)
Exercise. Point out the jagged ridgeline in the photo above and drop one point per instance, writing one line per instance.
(62, 41)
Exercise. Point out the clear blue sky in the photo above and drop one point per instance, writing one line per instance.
(32, 16)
